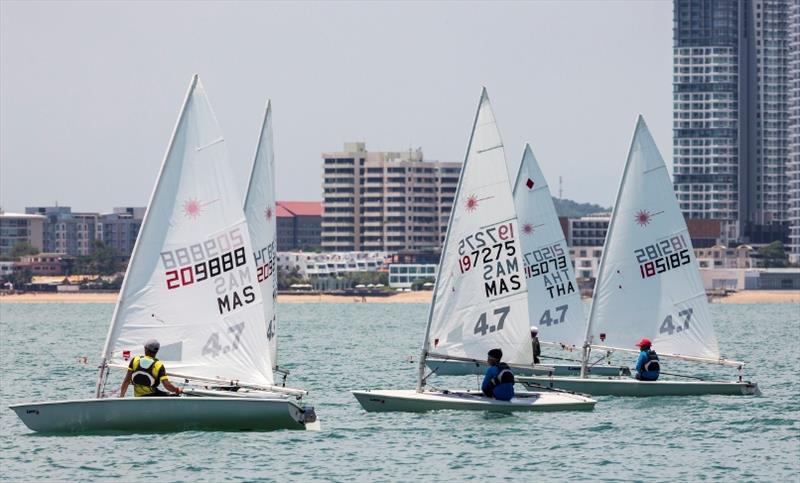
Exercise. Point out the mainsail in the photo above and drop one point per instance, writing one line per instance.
(649, 284)
(259, 209)
(479, 299)
(190, 282)
(554, 301)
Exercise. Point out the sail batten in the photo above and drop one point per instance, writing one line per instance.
(189, 283)
(649, 285)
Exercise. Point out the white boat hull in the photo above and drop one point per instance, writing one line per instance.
(466, 368)
(413, 401)
(632, 387)
(155, 414)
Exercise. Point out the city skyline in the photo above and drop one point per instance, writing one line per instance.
(95, 117)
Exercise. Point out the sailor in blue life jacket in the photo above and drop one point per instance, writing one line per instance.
(146, 372)
(499, 380)
(647, 367)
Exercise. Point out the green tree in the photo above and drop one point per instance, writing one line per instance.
(417, 284)
(288, 278)
(774, 255)
(104, 260)
(21, 249)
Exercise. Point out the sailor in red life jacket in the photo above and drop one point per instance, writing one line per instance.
(146, 372)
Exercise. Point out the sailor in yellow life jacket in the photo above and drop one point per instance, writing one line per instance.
(146, 372)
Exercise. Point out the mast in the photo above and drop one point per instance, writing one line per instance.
(426, 342)
(103, 368)
(601, 270)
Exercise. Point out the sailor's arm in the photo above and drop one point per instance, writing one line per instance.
(169, 386)
(125, 383)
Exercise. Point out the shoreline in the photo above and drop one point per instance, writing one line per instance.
(423, 297)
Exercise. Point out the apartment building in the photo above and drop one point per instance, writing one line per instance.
(385, 201)
(731, 94)
(298, 224)
(21, 228)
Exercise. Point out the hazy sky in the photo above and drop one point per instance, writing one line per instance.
(90, 91)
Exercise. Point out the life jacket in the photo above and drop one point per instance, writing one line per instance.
(505, 376)
(651, 365)
(145, 371)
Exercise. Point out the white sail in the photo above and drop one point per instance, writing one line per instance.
(554, 301)
(190, 282)
(259, 209)
(649, 284)
(479, 299)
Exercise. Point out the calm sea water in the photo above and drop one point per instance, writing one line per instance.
(334, 348)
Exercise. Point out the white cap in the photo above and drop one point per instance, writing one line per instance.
(534, 329)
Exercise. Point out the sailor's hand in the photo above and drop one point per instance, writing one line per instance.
(178, 391)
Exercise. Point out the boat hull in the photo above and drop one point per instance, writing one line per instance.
(413, 401)
(162, 414)
(634, 388)
(465, 368)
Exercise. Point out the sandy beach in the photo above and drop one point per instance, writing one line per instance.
(743, 297)
(761, 297)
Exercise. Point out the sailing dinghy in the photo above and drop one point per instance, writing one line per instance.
(554, 301)
(479, 299)
(649, 286)
(191, 283)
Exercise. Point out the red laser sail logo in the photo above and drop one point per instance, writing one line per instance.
(191, 208)
(472, 203)
(643, 218)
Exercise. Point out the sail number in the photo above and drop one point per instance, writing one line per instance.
(668, 327)
(483, 328)
(661, 265)
(198, 252)
(265, 262)
(537, 269)
(484, 237)
(666, 254)
(486, 255)
(207, 269)
(561, 316)
(213, 346)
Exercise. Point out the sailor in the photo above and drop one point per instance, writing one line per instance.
(647, 367)
(499, 381)
(146, 372)
(537, 349)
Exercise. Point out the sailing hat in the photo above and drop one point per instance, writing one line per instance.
(152, 345)
(644, 343)
(496, 354)
(534, 329)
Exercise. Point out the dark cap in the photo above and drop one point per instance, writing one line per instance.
(496, 354)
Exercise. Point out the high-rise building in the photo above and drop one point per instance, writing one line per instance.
(385, 201)
(121, 227)
(21, 228)
(298, 224)
(731, 115)
(67, 232)
(793, 168)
